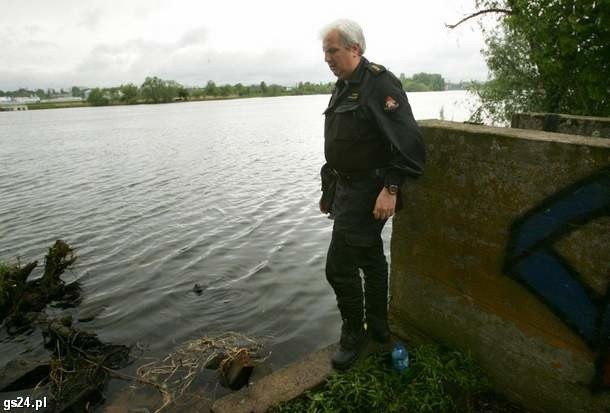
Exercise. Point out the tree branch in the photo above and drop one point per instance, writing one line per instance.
(473, 15)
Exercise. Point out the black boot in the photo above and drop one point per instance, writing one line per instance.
(352, 343)
(378, 328)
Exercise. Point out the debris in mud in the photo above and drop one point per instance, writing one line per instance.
(235, 369)
(80, 367)
(233, 356)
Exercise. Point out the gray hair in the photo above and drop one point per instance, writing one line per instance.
(350, 33)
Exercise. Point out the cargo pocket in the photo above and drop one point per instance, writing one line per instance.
(347, 121)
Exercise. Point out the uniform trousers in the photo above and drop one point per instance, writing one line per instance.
(356, 245)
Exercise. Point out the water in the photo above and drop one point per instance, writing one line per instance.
(157, 198)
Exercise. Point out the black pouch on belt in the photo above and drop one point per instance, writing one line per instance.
(329, 185)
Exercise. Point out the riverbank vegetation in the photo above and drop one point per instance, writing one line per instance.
(544, 56)
(438, 380)
(157, 90)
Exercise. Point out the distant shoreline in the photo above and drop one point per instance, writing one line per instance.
(80, 104)
(64, 105)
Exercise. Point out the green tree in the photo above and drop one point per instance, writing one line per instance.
(411, 85)
(239, 89)
(183, 93)
(77, 92)
(422, 82)
(98, 98)
(433, 81)
(546, 56)
(129, 93)
(152, 89)
(157, 90)
(211, 89)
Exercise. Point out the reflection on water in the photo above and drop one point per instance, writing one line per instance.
(157, 198)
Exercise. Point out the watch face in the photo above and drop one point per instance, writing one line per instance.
(392, 189)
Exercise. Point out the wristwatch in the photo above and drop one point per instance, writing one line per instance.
(392, 189)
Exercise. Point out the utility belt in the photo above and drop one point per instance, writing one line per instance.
(360, 175)
(329, 182)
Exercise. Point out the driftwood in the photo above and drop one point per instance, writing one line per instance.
(20, 297)
(232, 355)
(80, 367)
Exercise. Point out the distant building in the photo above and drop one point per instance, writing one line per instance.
(63, 99)
(26, 99)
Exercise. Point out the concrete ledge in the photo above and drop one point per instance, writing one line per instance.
(282, 385)
(570, 124)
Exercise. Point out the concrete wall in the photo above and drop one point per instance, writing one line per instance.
(503, 250)
(571, 124)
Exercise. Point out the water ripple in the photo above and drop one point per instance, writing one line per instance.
(157, 198)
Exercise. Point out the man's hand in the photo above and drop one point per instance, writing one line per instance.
(322, 210)
(385, 205)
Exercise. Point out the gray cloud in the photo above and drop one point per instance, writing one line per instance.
(91, 19)
(188, 62)
(195, 37)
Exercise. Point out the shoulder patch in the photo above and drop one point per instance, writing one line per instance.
(375, 68)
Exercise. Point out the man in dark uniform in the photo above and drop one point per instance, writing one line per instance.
(371, 143)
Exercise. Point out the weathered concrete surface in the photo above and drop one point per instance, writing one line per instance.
(454, 258)
(570, 124)
(282, 385)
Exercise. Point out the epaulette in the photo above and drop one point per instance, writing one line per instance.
(375, 68)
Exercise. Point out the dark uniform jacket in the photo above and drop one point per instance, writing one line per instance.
(370, 129)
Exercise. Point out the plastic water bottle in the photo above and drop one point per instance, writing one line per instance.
(400, 357)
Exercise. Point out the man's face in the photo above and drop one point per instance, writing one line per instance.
(341, 60)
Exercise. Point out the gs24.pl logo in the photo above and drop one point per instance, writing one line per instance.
(24, 402)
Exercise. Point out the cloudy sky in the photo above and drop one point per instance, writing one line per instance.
(61, 43)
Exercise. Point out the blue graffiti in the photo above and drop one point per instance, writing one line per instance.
(531, 260)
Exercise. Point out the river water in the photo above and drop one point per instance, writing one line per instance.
(157, 198)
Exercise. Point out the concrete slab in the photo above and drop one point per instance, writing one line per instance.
(282, 385)
(289, 382)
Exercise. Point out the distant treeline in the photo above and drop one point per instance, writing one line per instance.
(157, 90)
(430, 82)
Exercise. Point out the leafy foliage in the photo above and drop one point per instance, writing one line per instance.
(6, 270)
(97, 97)
(422, 82)
(129, 93)
(438, 380)
(547, 56)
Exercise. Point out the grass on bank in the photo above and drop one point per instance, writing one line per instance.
(438, 380)
(6, 269)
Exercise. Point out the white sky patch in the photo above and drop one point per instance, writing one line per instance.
(62, 43)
